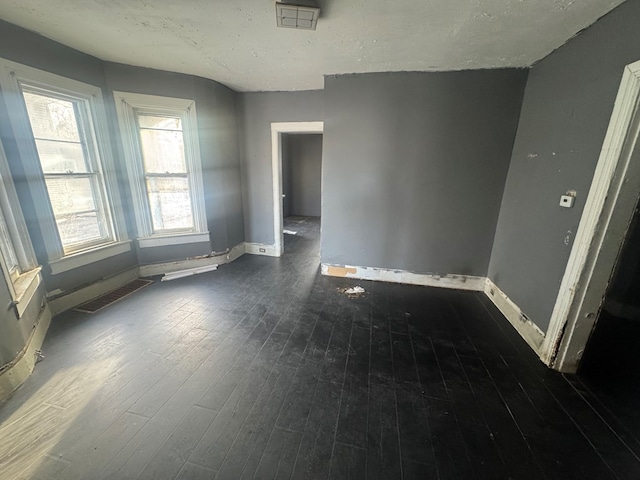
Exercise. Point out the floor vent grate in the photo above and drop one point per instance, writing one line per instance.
(107, 299)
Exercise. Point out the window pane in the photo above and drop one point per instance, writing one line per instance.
(79, 228)
(170, 203)
(63, 134)
(154, 121)
(51, 117)
(162, 151)
(61, 157)
(70, 195)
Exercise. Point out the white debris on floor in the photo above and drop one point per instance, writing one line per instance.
(353, 292)
(289, 232)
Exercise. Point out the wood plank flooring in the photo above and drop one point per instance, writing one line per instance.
(263, 369)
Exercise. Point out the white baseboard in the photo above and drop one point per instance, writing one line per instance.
(64, 301)
(459, 282)
(190, 263)
(261, 249)
(21, 367)
(528, 330)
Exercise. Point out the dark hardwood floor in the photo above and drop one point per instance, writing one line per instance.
(264, 369)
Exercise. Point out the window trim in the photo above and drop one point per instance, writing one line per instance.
(22, 287)
(126, 105)
(91, 156)
(85, 257)
(11, 76)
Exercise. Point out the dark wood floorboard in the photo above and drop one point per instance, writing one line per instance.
(264, 369)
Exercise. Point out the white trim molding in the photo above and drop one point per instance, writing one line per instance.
(528, 330)
(607, 213)
(25, 288)
(127, 104)
(165, 240)
(87, 257)
(18, 370)
(263, 249)
(277, 129)
(14, 78)
(457, 282)
(60, 301)
(193, 263)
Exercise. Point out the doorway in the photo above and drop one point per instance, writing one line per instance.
(301, 188)
(607, 214)
(281, 134)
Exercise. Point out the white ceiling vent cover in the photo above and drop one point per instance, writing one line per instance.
(302, 15)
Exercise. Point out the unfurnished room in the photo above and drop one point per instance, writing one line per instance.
(319, 239)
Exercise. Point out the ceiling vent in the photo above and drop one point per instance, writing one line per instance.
(302, 15)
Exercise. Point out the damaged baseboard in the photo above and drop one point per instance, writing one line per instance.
(17, 371)
(528, 330)
(459, 282)
(261, 249)
(62, 301)
(192, 263)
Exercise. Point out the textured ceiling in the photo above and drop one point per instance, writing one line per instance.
(236, 42)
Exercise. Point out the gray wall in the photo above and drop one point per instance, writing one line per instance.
(567, 105)
(305, 174)
(217, 111)
(258, 111)
(30, 49)
(285, 145)
(414, 166)
(218, 125)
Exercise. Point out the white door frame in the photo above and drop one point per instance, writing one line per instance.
(277, 129)
(614, 189)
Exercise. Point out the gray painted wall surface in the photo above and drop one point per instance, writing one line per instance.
(258, 111)
(216, 111)
(22, 46)
(414, 166)
(566, 110)
(306, 174)
(218, 131)
(286, 174)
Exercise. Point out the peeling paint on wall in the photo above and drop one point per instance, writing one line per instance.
(462, 282)
(567, 238)
(340, 271)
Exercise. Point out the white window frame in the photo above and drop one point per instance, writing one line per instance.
(126, 106)
(23, 283)
(12, 75)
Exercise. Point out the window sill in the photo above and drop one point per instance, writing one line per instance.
(176, 239)
(25, 287)
(87, 257)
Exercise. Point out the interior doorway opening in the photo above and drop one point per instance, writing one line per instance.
(297, 174)
(301, 187)
(606, 218)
